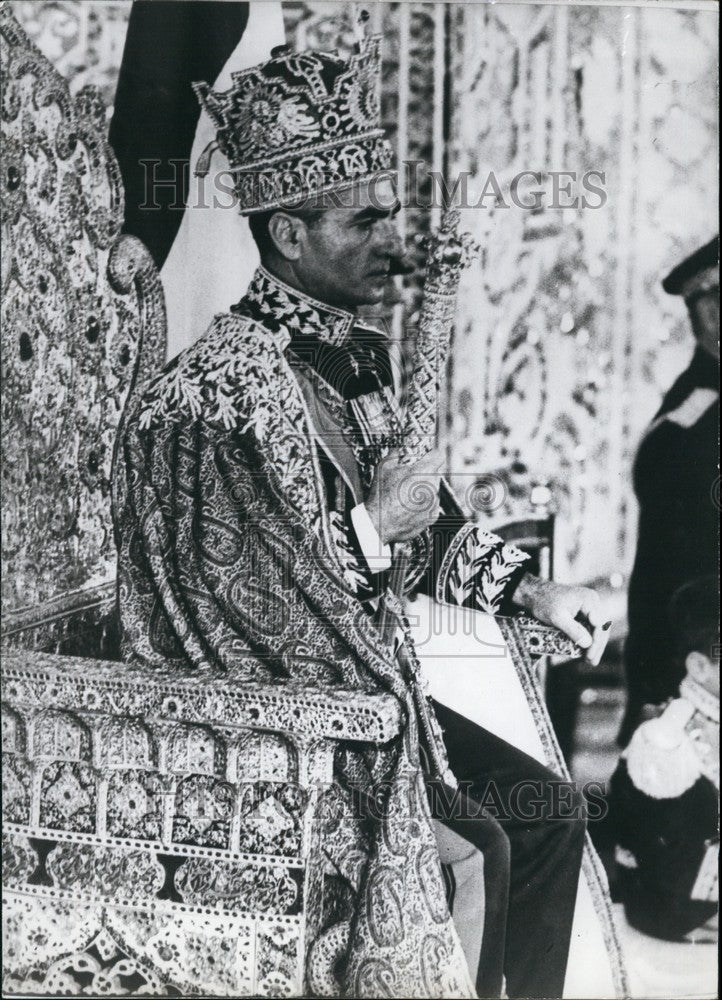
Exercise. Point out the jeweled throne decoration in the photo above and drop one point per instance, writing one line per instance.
(162, 835)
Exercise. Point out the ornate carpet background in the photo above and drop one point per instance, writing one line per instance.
(564, 340)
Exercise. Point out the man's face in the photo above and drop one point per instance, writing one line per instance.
(704, 316)
(347, 252)
(704, 670)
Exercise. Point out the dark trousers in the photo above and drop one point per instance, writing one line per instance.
(530, 827)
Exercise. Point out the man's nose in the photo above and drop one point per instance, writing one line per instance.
(389, 239)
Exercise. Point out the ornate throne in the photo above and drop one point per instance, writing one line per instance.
(161, 834)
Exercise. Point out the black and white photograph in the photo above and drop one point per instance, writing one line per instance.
(360, 498)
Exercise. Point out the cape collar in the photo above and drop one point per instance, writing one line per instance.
(289, 311)
(348, 355)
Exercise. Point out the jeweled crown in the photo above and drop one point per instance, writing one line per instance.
(299, 125)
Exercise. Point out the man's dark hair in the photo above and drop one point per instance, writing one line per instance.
(258, 224)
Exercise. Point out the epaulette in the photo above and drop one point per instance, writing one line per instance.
(660, 761)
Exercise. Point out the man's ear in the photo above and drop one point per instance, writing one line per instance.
(288, 234)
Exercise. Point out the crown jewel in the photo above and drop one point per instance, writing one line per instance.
(300, 124)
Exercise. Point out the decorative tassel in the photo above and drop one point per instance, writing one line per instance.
(204, 160)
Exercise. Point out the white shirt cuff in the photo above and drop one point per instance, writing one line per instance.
(376, 554)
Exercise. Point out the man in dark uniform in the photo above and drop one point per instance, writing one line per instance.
(664, 794)
(676, 482)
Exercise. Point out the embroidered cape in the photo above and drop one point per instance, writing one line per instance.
(227, 558)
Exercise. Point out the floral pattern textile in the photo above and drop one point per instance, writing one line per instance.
(478, 570)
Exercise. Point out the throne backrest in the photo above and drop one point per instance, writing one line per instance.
(83, 326)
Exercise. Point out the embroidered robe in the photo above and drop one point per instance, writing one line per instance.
(231, 558)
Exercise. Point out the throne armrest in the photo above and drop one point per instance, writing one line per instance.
(532, 639)
(80, 622)
(69, 683)
(538, 639)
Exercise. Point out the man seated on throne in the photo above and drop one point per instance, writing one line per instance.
(262, 497)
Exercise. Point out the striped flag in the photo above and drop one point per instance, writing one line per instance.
(199, 241)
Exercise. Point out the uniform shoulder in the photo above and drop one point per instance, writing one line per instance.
(660, 759)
